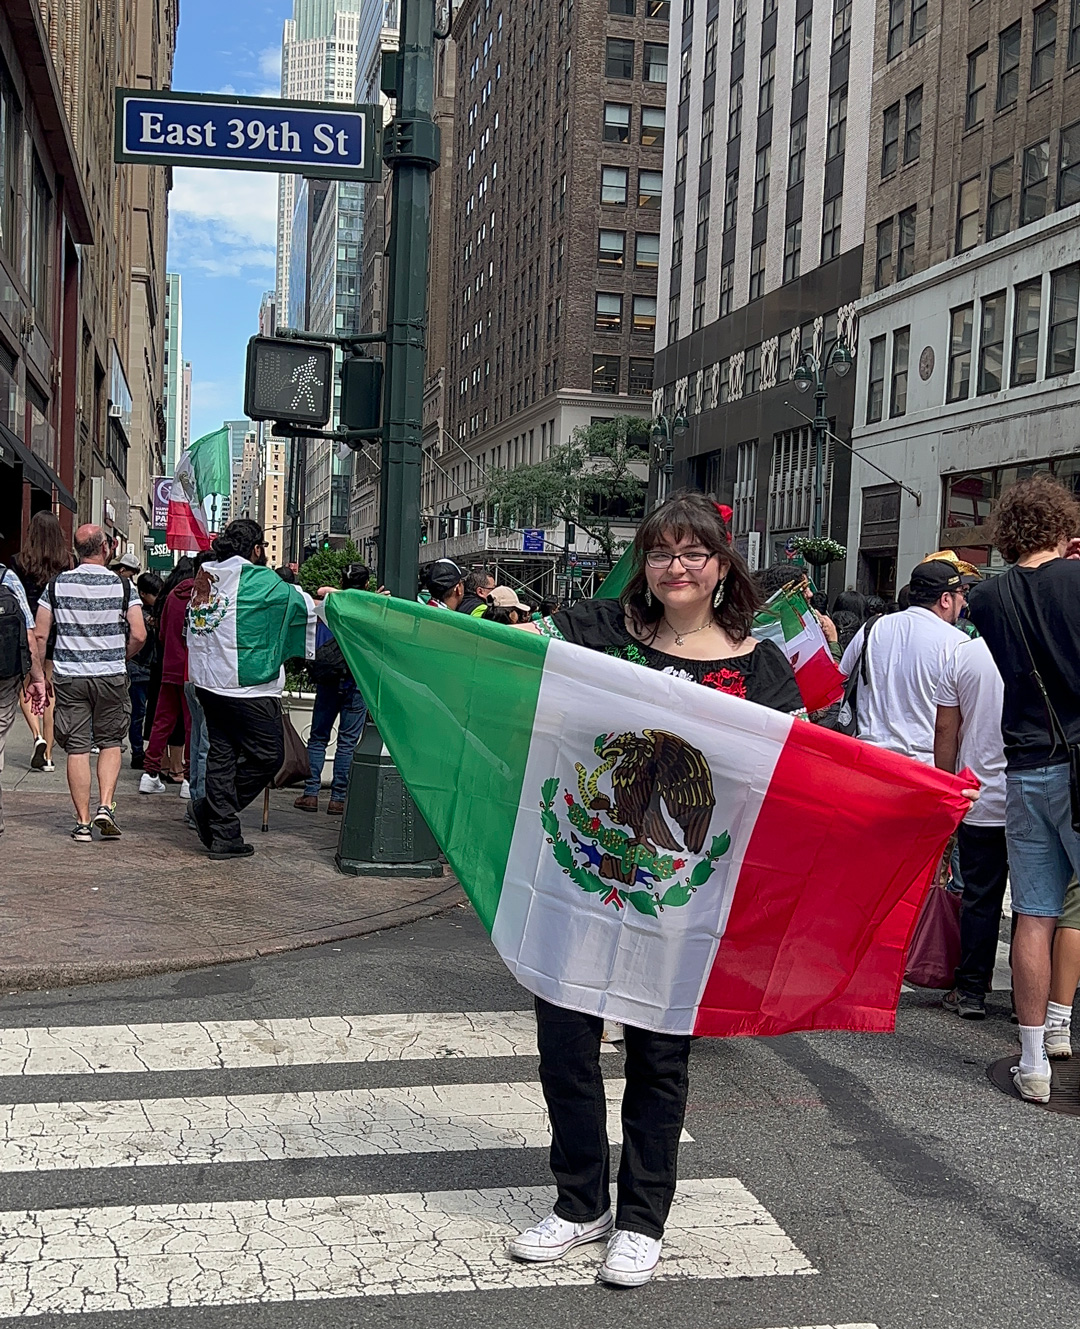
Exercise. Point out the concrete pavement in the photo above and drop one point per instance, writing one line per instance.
(152, 901)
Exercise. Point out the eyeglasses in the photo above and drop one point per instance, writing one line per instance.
(661, 560)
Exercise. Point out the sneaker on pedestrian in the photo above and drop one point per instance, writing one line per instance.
(631, 1259)
(106, 824)
(83, 833)
(336, 807)
(185, 791)
(49, 767)
(223, 849)
(1058, 1041)
(1033, 1086)
(307, 803)
(37, 760)
(152, 784)
(968, 1005)
(553, 1237)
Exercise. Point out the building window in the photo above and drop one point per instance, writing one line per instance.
(901, 344)
(616, 122)
(752, 371)
(967, 215)
(727, 284)
(723, 381)
(913, 126)
(644, 314)
(1027, 313)
(837, 137)
(654, 66)
(647, 251)
(991, 343)
(731, 200)
(791, 482)
(686, 68)
(757, 271)
(975, 107)
(1008, 85)
(875, 388)
(697, 314)
(10, 139)
(896, 29)
(1064, 304)
(999, 204)
(703, 209)
(890, 139)
(653, 119)
(673, 318)
(738, 24)
(712, 38)
(612, 249)
(706, 134)
(1069, 166)
(608, 312)
(841, 25)
(677, 239)
(650, 189)
(613, 185)
(1074, 33)
(831, 217)
(38, 254)
(762, 166)
(883, 260)
(792, 249)
(918, 19)
(905, 248)
(767, 81)
(620, 58)
(621, 7)
(658, 9)
(734, 120)
(958, 387)
(1043, 40)
(744, 518)
(797, 152)
(1033, 186)
(639, 382)
(682, 148)
(801, 68)
(605, 373)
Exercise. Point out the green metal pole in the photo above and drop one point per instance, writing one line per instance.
(411, 147)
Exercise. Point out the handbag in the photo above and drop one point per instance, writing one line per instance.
(846, 717)
(935, 946)
(1057, 729)
(296, 767)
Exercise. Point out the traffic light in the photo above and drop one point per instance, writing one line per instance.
(361, 394)
(289, 382)
(571, 532)
(324, 543)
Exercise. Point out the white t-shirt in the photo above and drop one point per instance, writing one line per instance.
(971, 681)
(89, 617)
(906, 656)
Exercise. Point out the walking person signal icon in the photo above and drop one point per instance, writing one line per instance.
(289, 382)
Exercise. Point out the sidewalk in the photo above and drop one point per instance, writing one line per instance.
(152, 901)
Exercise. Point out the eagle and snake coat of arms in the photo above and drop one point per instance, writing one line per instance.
(658, 782)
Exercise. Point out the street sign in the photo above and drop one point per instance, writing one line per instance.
(159, 557)
(289, 382)
(328, 140)
(162, 488)
(532, 542)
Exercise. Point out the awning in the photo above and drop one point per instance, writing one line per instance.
(14, 452)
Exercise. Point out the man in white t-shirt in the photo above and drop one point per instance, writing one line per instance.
(967, 736)
(905, 656)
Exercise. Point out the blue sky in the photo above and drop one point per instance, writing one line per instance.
(222, 224)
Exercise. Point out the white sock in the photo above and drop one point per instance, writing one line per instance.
(1032, 1049)
(1058, 1015)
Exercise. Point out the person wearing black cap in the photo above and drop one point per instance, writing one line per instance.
(905, 654)
(447, 582)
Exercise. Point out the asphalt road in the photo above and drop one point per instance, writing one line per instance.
(908, 1192)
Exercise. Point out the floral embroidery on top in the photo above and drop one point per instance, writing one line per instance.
(629, 652)
(679, 673)
(731, 681)
(546, 628)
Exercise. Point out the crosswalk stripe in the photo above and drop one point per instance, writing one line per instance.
(240, 1044)
(147, 1132)
(304, 1249)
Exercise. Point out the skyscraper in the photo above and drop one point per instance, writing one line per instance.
(173, 393)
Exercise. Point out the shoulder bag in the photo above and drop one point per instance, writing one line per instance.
(846, 718)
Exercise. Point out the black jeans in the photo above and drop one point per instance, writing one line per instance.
(247, 749)
(653, 1107)
(984, 866)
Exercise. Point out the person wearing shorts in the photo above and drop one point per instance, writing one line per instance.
(89, 606)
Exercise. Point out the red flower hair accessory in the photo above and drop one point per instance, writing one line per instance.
(726, 516)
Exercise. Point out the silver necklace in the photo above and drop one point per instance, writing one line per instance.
(680, 637)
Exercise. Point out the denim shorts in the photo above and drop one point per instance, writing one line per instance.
(1044, 850)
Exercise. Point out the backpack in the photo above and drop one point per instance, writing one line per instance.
(329, 664)
(15, 659)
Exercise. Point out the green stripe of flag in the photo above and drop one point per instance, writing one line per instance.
(455, 709)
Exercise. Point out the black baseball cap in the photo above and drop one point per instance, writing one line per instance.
(444, 576)
(938, 576)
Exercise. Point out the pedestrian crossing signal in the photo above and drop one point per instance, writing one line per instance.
(289, 382)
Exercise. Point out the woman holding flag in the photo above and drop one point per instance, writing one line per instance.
(687, 611)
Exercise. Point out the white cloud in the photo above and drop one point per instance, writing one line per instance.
(223, 223)
(270, 64)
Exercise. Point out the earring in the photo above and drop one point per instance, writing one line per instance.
(718, 598)
(648, 598)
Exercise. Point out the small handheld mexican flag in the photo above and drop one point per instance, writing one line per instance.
(644, 848)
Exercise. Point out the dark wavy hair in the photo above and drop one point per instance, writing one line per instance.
(691, 515)
(1032, 515)
(238, 539)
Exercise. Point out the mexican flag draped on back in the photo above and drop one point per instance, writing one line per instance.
(642, 847)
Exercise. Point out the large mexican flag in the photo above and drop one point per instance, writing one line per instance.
(644, 848)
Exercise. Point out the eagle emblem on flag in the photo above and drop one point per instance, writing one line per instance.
(658, 782)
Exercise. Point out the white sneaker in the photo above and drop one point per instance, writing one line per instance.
(631, 1259)
(1033, 1086)
(553, 1237)
(49, 767)
(185, 791)
(152, 784)
(1058, 1041)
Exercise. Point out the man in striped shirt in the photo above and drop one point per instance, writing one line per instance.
(89, 607)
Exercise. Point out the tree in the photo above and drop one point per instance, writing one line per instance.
(590, 482)
(326, 567)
